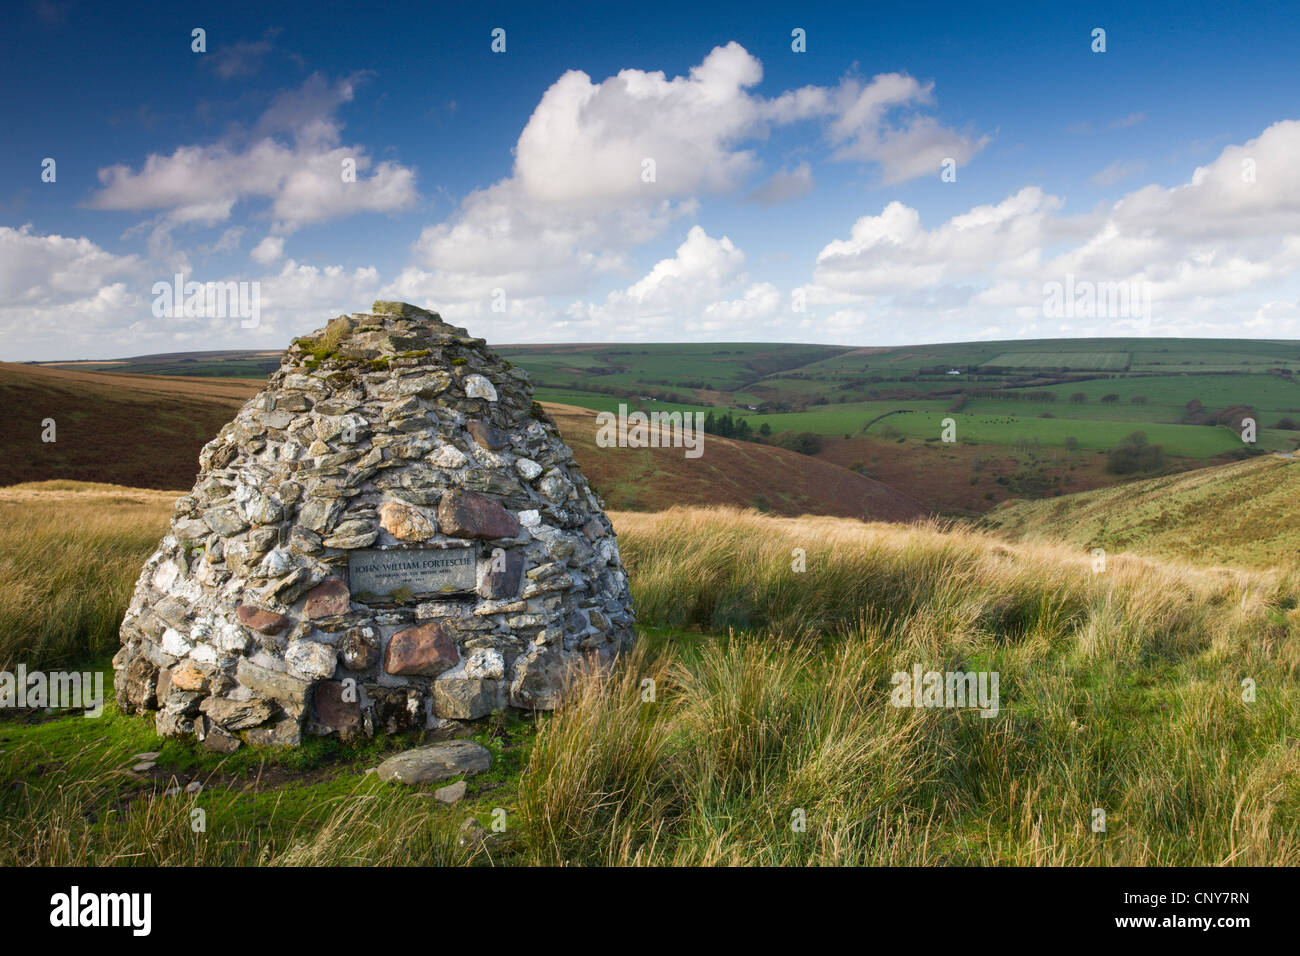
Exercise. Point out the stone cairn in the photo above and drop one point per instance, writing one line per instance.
(390, 535)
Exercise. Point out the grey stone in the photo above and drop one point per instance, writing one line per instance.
(237, 714)
(216, 739)
(435, 762)
(225, 521)
(310, 659)
(452, 793)
(283, 733)
(265, 682)
(458, 698)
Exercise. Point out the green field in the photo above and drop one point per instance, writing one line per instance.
(720, 366)
(923, 420)
(1085, 361)
(610, 403)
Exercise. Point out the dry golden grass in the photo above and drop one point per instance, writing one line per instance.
(70, 553)
(1120, 691)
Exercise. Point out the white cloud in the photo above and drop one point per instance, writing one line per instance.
(578, 197)
(686, 296)
(56, 270)
(301, 178)
(893, 252)
(577, 201)
(869, 126)
(68, 298)
(585, 143)
(502, 239)
(760, 301)
(268, 250)
(1205, 248)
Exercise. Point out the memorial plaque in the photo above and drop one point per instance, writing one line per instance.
(401, 572)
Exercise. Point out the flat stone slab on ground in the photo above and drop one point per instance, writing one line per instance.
(434, 762)
(450, 793)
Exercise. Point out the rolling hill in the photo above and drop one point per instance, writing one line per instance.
(146, 431)
(729, 472)
(139, 430)
(1241, 513)
(1031, 418)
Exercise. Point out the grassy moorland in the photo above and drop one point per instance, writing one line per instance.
(770, 643)
(1240, 514)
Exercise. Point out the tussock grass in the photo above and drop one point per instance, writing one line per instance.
(70, 553)
(1119, 691)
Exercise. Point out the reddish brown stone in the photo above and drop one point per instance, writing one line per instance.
(424, 650)
(593, 529)
(464, 514)
(487, 435)
(267, 622)
(327, 599)
(336, 705)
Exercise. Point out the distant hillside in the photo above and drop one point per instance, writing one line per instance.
(729, 472)
(146, 431)
(1242, 513)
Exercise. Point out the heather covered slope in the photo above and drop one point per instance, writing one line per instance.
(139, 430)
(1241, 514)
(737, 473)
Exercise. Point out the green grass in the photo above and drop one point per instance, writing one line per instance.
(68, 563)
(792, 715)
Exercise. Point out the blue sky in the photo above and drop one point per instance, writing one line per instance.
(796, 196)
